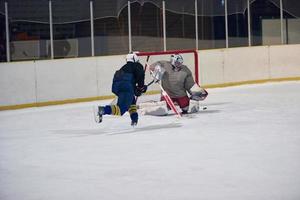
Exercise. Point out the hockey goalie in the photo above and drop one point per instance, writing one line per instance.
(177, 81)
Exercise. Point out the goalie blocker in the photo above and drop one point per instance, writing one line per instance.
(197, 93)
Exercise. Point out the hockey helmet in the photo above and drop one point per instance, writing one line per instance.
(132, 57)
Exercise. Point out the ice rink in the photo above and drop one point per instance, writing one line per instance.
(245, 146)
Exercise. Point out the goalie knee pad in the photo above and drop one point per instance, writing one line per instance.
(194, 106)
(153, 108)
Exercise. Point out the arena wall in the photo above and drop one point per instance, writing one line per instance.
(235, 66)
(47, 82)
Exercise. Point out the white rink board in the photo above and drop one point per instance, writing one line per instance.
(243, 64)
(284, 61)
(106, 67)
(211, 66)
(65, 79)
(17, 83)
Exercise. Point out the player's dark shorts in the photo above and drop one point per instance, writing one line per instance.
(122, 86)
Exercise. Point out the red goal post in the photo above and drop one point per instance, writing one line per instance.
(192, 52)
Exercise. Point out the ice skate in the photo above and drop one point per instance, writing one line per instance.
(133, 123)
(99, 115)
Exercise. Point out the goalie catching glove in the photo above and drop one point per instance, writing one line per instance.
(197, 93)
(140, 90)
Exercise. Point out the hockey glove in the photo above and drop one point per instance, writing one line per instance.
(140, 90)
(199, 96)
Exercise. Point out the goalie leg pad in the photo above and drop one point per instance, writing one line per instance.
(158, 108)
(151, 104)
(194, 106)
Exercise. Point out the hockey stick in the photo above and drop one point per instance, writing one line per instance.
(145, 68)
(146, 64)
(169, 101)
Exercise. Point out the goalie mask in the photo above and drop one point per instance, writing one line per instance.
(176, 61)
(132, 57)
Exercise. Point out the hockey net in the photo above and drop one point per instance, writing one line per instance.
(152, 105)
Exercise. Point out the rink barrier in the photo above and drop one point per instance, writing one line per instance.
(90, 99)
(52, 82)
(252, 82)
(52, 103)
(61, 102)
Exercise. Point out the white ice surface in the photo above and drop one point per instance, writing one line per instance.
(246, 146)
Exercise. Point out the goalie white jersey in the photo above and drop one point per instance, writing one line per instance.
(175, 82)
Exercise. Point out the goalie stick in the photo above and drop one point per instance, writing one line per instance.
(169, 101)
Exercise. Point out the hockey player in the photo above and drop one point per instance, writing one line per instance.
(178, 82)
(128, 82)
